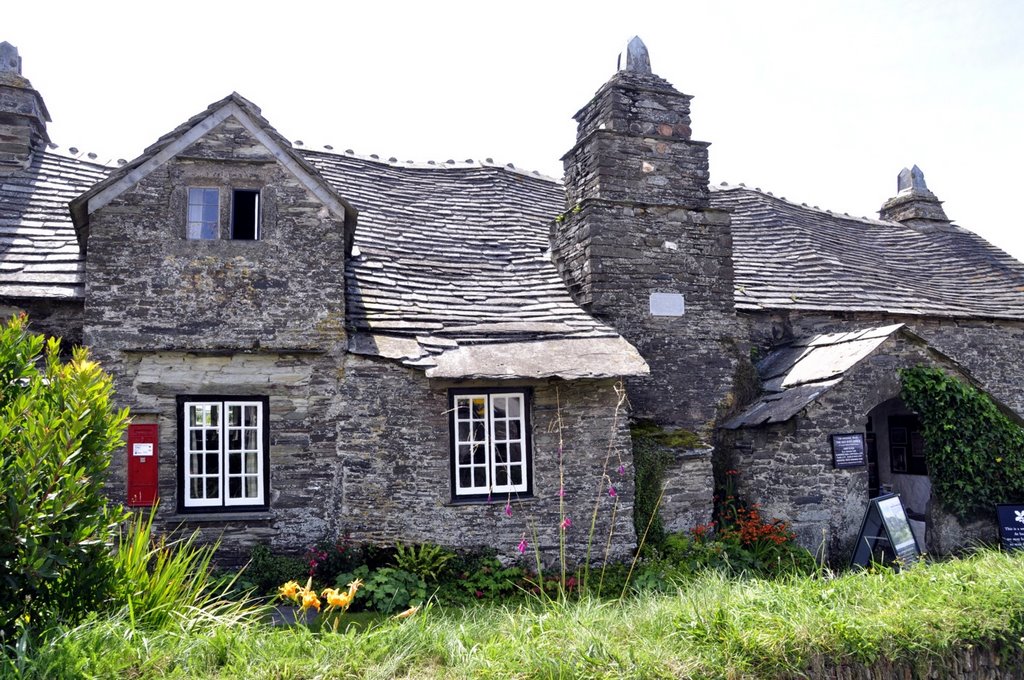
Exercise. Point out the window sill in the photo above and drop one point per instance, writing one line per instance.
(259, 515)
(495, 500)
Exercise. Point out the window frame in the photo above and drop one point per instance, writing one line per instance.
(257, 206)
(223, 503)
(490, 491)
(202, 222)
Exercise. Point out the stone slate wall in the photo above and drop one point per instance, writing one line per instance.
(55, 318)
(989, 349)
(148, 287)
(787, 467)
(393, 444)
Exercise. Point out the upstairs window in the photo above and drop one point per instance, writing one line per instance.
(245, 215)
(203, 214)
(491, 444)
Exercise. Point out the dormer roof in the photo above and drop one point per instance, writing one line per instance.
(167, 147)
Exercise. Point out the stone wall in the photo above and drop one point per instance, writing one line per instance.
(787, 467)
(973, 662)
(54, 318)
(148, 287)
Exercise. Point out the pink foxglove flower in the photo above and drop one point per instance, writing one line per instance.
(622, 470)
(612, 492)
(561, 492)
(508, 509)
(566, 523)
(522, 546)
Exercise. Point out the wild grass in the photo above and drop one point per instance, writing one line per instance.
(711, 627)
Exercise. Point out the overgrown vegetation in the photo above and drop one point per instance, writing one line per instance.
(654, 449)
(711, 627)
(57, 429)
(975, 453)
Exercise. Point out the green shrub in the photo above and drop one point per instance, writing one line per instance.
(389, 589)
(975, 453)
(427, 560)
(58, 427)
(331, 557)
(479, 577)
(267, 571)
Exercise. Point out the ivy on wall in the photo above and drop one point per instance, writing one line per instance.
(654, 450)
(975, 452)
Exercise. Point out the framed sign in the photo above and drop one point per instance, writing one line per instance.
(848, 450)
(885, 535)
(1011, 526)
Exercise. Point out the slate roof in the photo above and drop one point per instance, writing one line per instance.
(39, 255)
(788, 256)
(796, 374)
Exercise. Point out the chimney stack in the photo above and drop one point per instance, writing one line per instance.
(23, 115)
(914, 205)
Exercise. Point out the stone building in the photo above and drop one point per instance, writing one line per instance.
(315, 343)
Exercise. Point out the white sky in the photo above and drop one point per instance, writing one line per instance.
(820, 102)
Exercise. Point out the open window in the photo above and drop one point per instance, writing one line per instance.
(245, 215)
(203, 222)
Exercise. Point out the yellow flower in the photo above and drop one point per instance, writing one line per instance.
(309, 599)
(354, 586)
(289, 590)
(336, 599)
(407, 613)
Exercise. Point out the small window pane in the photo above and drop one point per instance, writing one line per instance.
(212, 487)
(462, 409)
(515, 453)
(195, 466)
(465, 455)
(479, 435)
(517, 475)
(479, 476)
(250, 440)
(501, 475)
(251, 487)
(500, 452)
(234, 464)
(464, 477)
(234, 487)
(514, 407)
(234, 440)
(195, 440)
(478, 409)
(196, 487)
(210, 214)
(500, 430)
(234, 415)
(212, 464)
(250, 416)
(463, 433)
(212, 440)
(251, 462)
(479, 455)
(514, 429)
(498, 404)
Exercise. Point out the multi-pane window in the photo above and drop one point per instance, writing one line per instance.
(490, 441)
(224, 454)
(203, 214)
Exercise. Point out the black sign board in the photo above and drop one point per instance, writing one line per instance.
(848, 450)
(885, 535)
(1011, 526)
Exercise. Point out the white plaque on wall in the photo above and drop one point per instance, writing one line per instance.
(142, 450)
(667, 304)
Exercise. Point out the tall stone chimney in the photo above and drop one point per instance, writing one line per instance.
(23, 115)
(914, 205)
(640, 248)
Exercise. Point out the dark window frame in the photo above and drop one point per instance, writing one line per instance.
(180, 471)
(907, 455)
(527, 394)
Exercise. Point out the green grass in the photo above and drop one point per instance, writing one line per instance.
(712, 627)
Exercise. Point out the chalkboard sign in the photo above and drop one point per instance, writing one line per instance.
(1011, 526)
(885, 535)
(848, 450)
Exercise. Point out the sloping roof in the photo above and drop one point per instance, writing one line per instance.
(788, 256)
(796, 374)
(39, 255)
(169, 145)
(454, 257)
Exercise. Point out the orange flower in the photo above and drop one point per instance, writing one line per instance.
(309, 599)
(407, 613)
(289, 591)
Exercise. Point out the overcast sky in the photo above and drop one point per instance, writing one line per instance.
(820, 102)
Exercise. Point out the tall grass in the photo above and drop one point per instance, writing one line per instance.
(712, 627)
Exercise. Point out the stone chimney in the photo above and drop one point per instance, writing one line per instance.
(23, 115)
(640, 248)
(914, 205)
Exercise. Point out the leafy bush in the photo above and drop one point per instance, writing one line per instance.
(480, 576)
(975, 453)
(331, 557)
(268, 570)
(58, 427)
(390, 589)
(427, 560)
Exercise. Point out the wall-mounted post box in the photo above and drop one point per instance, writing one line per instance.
(142, 465)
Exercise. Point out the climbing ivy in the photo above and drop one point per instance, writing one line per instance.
(975, 452)
(653, 451)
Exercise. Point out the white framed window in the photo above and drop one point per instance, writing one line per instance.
(203, 214)
(223, 453)
(490, 436)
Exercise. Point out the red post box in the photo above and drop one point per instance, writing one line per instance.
(142, 465)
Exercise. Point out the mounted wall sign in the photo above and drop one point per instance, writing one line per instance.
(667, 304)
(1011, 526)
(885, 535)
(848, 450)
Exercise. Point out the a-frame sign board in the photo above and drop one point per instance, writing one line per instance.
(885, 535)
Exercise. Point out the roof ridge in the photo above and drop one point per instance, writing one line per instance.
(726, 186)
(393, 162)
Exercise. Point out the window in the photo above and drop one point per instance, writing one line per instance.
(490, 434)
(223, 453)
(906, 446)
(203, 214)
(245, 215)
